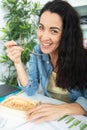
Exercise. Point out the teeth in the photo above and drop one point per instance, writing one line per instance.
(46, 44)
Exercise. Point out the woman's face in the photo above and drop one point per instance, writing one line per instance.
(49, 32)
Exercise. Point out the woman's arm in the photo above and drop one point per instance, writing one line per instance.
(75, 109)
(14, 53)
(22, 75)
(49, 112)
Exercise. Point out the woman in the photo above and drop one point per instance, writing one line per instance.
(58, 63)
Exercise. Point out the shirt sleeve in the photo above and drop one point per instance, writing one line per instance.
(82, 102)
(30, 88)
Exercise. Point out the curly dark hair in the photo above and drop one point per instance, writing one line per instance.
(71, 53)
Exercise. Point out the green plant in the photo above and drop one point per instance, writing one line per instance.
(21, 23)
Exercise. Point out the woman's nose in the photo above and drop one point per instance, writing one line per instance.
(45, 35)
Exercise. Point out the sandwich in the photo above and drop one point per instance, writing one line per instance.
(19, 103)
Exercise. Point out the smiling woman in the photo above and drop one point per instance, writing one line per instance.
(61, 69)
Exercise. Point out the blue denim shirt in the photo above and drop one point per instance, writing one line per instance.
(40, 69)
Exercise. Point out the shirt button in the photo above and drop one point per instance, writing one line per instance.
(47, 62)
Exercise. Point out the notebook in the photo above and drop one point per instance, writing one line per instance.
(7, 89)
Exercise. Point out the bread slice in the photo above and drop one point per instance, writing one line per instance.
(19, 103)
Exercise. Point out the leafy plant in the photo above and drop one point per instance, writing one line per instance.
(21, 23)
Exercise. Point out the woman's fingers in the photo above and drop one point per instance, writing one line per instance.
(12, 46)
(13, 51)
(39, 113)
(46, 112)
(40, 120)
(10, 43)
(39, 107)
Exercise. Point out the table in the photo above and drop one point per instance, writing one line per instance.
(39, 97)
(16, 123)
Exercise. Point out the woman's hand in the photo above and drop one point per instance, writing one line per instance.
(49, 112)
(46, 112)
(13, 51)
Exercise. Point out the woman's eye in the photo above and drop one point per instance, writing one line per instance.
(40, 27)
(54, 31)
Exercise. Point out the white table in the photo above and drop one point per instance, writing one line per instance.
(16, 122)
(40, 97)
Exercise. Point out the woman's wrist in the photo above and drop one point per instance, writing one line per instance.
(18, 64)
(73, 109)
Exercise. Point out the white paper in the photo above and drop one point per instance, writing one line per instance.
(2, 121)
(10, 118)
(63, 124)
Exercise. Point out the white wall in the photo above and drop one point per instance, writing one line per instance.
(41, 1)
(77, 2)
(72, 2)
